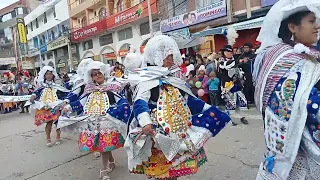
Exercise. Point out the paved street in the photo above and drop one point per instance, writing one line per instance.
(233, 155)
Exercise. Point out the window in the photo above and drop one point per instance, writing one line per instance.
(31, 26)
(37, 24)
(52, 35)
(87, 45)
(144, 28)
(45, 17)
(13, 14)
(105, 39)
(35, 42)
(49, 55)
(125, 34)
(43, 39)
(204, 3)
(177, 7)
(120, 6)
(25, 10)
(95, 13)
(84, 22)
(27, 29)
(19, 10)
(102, 13)
(6, 17)
(54, 12)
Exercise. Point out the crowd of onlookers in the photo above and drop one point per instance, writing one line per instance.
(205, 77)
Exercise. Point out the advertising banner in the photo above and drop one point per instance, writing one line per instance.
(214, 11)
(58, 43)
(265, 3)
(131, 14)
(22, 31)
(88, 31)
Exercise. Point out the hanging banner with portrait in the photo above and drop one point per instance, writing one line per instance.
(213, 11)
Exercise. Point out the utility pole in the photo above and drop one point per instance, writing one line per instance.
(150, 18)
(70, 55)
(229, 11)
(248, 7)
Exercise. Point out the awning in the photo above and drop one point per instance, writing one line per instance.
(186, 43)
(250, 24)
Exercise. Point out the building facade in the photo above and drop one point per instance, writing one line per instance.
(11, 49)
(48, 29)
(190, 17)
(105, 29)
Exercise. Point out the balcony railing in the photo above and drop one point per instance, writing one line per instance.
(89, 22)
(76, 4)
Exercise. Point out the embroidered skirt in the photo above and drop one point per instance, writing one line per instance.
(101, 142)
(46, 115)
(160, 168)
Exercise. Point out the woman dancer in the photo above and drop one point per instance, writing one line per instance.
(286, 71)
(104, 116)
(165, 141)
(46, 101)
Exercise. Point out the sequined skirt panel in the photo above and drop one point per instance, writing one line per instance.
(160, 168)
(101, 142)
(44, 115)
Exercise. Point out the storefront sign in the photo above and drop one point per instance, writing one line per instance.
(123, 53)
(110, 56)
(33, 52)
(27, 65)
(265, 3)
(58, 43)
(207, 13)
(88, 31)
(22, 31)
(131, 14)
(7, 61)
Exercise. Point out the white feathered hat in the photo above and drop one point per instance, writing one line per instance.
(159, 47)
(133, 59)
(104, 69)
(268, 35)
(82, 65)
(44, 70)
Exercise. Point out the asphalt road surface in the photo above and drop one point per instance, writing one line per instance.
(233, 155)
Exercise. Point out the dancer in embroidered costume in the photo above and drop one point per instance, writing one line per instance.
(8, 89)
(46, 101)
(231, 77)
(165, 141)
(286, 72)
(103, 122)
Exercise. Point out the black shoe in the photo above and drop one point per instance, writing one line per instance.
(234, 124)
(244, 121)
(22, 112)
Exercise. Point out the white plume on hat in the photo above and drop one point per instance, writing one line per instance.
(104, 69)
(159, 48)
(232, 35)
(133, 59)
(82, 65)
(268, 35)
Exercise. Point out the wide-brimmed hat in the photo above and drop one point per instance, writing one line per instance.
(227, 48)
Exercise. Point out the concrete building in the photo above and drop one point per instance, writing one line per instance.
(105, 29)
(10, 49)
(210, 18)
(48, 35)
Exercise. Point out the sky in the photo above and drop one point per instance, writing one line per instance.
(5, 3)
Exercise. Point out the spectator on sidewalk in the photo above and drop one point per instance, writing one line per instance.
(213, 84)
